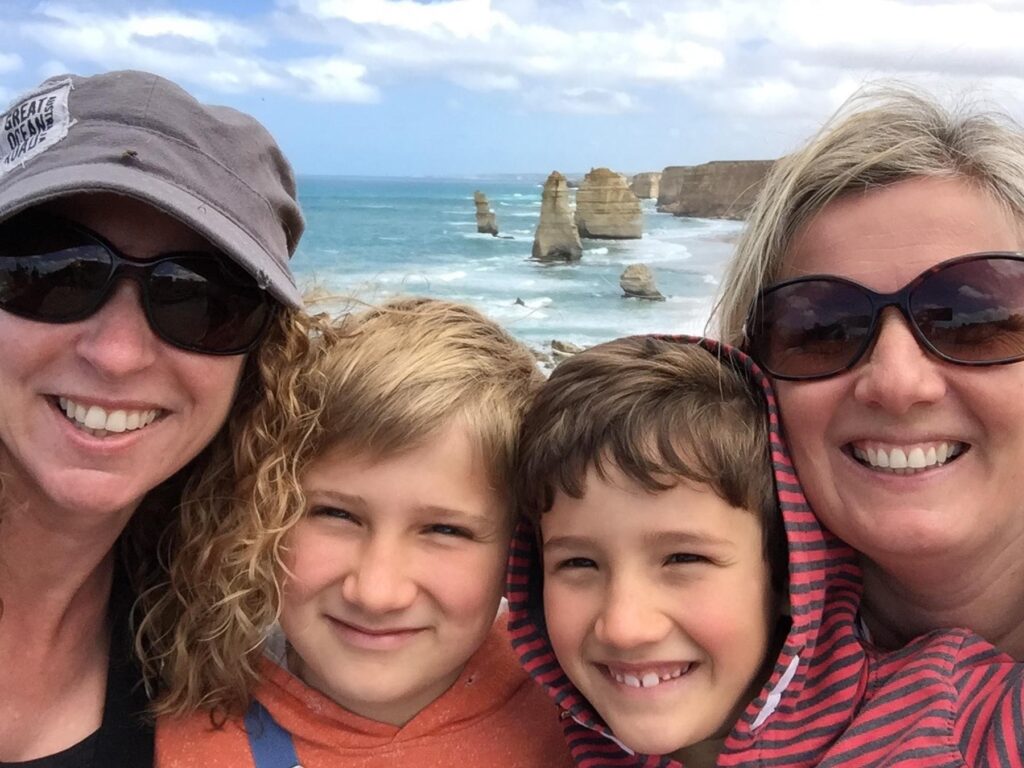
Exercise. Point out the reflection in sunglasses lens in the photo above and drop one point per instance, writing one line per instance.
(812, 327)
(973, 311)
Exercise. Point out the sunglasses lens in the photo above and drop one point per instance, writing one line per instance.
(198, 304)
(973, 311)
(810, 328)
(52, 274)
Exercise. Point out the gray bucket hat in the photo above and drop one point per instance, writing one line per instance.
(134, 133)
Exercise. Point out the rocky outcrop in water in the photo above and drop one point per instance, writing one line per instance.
(645, 185)
(722, 189)
(486, 221)
(637, 281)
(606, 209)
(556, 238)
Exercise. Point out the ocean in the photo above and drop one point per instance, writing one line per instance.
(373, 238)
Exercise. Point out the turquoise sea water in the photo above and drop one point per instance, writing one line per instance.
(374, 238)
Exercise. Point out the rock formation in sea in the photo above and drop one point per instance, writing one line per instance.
(556, 238)
(645, 185)
(606, 208)
(721, 189)
(486, 222)
(637, 281)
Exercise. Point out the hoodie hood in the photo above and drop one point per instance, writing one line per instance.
(821, 569)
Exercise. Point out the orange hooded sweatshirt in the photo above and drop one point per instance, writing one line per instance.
(493, 715)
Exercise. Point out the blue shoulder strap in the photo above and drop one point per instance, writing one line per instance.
(271, 745)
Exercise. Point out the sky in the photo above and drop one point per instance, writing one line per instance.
(479, 87)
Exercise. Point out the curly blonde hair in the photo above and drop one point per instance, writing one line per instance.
(173, 542)
(377, 382)
(885, 133)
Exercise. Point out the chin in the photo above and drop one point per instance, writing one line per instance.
(650, 741)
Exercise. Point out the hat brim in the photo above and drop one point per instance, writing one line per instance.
(191, 210)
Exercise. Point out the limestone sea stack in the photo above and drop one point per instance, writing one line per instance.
(486, 222)
(556, 238)
(606, 208)
(637, 281)
(722, 189)
(645, 185)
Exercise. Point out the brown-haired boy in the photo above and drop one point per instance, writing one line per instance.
(644, 464)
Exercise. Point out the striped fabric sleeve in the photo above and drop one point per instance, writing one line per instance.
(990, 719)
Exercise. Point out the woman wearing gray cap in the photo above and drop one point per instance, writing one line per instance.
(145, 297)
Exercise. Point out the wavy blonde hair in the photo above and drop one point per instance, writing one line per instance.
(163, 543)
(378, 382)
(883, 134)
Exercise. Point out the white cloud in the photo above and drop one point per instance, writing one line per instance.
(581, 101)
(486, 81)
(784, 60)
(332, 79)
(461, 19)
(10, 62)
(940, 37)
(206, 50)
(470, 43)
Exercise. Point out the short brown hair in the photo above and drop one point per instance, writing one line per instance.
(661, 411)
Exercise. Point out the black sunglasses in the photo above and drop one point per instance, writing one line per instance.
(54, 271)
(968, 310)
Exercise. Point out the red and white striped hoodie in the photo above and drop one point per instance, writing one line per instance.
(946, 699)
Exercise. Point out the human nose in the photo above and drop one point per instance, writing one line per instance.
(379, 580)
(898, 372)
(117, 339)
(630, 616)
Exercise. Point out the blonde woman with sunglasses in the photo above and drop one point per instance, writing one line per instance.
(880, 282)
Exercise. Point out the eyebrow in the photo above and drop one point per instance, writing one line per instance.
(445, 512)
(653, 539)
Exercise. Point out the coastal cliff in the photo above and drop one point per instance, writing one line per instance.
(556, 238)
(606, 208)
(486, 221)
(645, 185)
(721, 189)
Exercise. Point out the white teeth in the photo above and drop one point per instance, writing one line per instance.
(909, 460)
(117, 421)
(98, 422)
(96, 418)
(915, 460)
(897, 459)
(647, 679)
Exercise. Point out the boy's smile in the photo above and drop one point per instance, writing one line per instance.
(658, 607)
